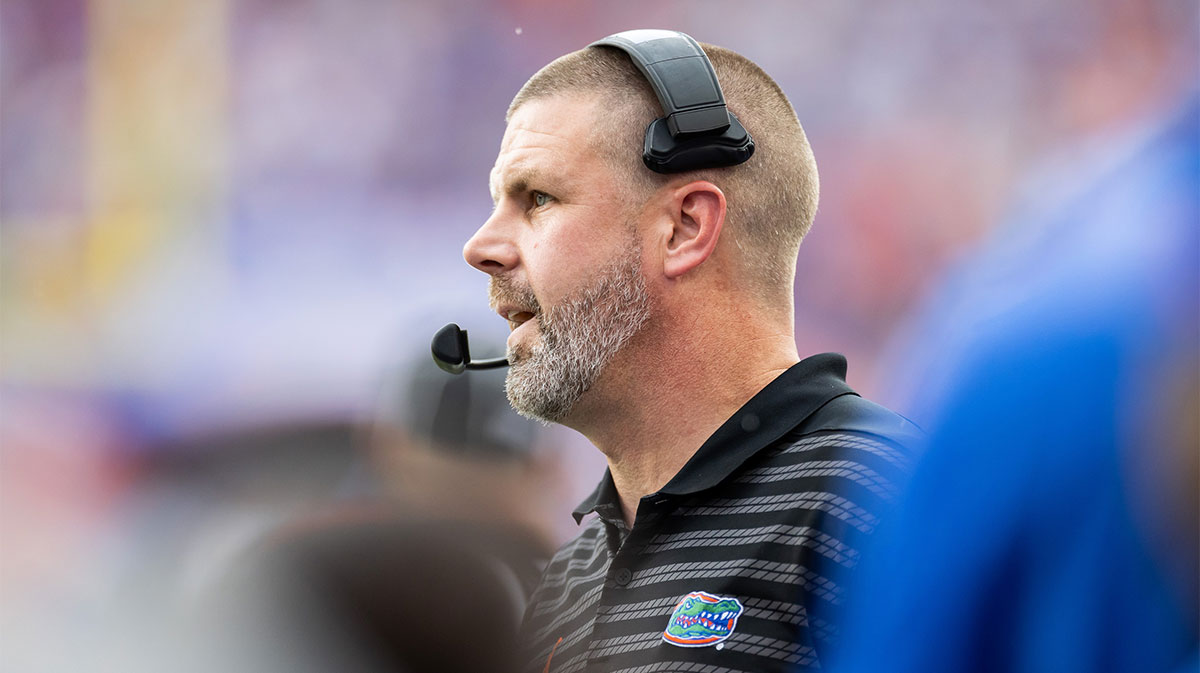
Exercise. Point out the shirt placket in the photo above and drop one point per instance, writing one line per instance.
(625, 556)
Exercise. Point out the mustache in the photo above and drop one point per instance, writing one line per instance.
(506, 290)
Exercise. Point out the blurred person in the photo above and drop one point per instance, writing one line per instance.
(653, 313)
(1052, 524)
(456, 450)
(433, 576)
(374, 590)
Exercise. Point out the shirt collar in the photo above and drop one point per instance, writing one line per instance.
(778, 408)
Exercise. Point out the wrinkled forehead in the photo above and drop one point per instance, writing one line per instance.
(554, 134)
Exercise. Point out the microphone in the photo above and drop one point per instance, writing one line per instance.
(451, 353)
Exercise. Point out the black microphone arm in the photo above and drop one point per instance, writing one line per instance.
(451, 353)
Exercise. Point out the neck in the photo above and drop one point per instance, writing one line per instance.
(665, 394)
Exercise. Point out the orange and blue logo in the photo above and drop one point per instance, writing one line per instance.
(701, 619)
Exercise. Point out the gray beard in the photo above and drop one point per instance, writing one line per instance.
(580, 337)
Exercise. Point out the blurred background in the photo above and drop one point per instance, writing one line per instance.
(228, 229)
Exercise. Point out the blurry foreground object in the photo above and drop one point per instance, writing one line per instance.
(433, 577)
(453, 448)
(375, 594)
(1052, 525)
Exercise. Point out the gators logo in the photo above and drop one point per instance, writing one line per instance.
(702, 619)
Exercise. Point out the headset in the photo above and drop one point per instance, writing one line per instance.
(696, 131)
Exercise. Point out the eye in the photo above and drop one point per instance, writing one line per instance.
(541, 198)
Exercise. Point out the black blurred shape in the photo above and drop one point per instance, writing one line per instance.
(378, 593)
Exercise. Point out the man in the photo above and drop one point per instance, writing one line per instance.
(653, 313)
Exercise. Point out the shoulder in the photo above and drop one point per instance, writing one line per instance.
(855, 434)
(852, 455)
(854, 415)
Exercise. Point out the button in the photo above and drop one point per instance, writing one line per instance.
(750, 422)
(655, 499)
(623, 576)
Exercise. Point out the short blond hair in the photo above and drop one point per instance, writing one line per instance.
(771, 199)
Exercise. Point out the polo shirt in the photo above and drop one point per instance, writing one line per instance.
(740, 561)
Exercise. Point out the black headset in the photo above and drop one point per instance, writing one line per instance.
(696, 131)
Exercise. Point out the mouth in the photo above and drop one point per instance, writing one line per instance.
(515, 317)
(519, 321)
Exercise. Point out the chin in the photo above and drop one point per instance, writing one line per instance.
(519, 352)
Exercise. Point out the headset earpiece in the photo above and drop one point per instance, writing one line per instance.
(697, 130)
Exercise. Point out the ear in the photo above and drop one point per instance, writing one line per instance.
(698, 214)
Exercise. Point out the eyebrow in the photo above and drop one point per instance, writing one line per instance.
(518, 182)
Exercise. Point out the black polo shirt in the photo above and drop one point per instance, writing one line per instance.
(738, 562)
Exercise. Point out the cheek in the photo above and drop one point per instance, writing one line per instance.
(560, 261)
(557, 274)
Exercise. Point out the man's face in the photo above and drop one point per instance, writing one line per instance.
(563, 254)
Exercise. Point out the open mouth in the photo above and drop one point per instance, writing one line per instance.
(516, 318)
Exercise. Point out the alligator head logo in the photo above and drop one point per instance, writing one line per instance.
(702, 619)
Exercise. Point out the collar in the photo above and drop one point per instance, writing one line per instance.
(777, 409)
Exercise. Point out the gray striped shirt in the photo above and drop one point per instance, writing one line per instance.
(739, 563)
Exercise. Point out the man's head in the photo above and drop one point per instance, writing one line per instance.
(588, 248)
(771, 199)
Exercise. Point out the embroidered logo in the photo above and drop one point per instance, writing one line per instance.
(702, 619)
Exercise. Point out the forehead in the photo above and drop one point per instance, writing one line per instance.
(550, 136)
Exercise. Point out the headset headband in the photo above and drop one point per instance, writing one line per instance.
(697, 130)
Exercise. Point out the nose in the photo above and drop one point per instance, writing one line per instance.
(491, 249)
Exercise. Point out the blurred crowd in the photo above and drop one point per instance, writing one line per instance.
(228, 229)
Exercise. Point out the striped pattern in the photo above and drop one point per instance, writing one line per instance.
(779, 534)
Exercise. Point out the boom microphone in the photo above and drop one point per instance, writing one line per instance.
(451, 353)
